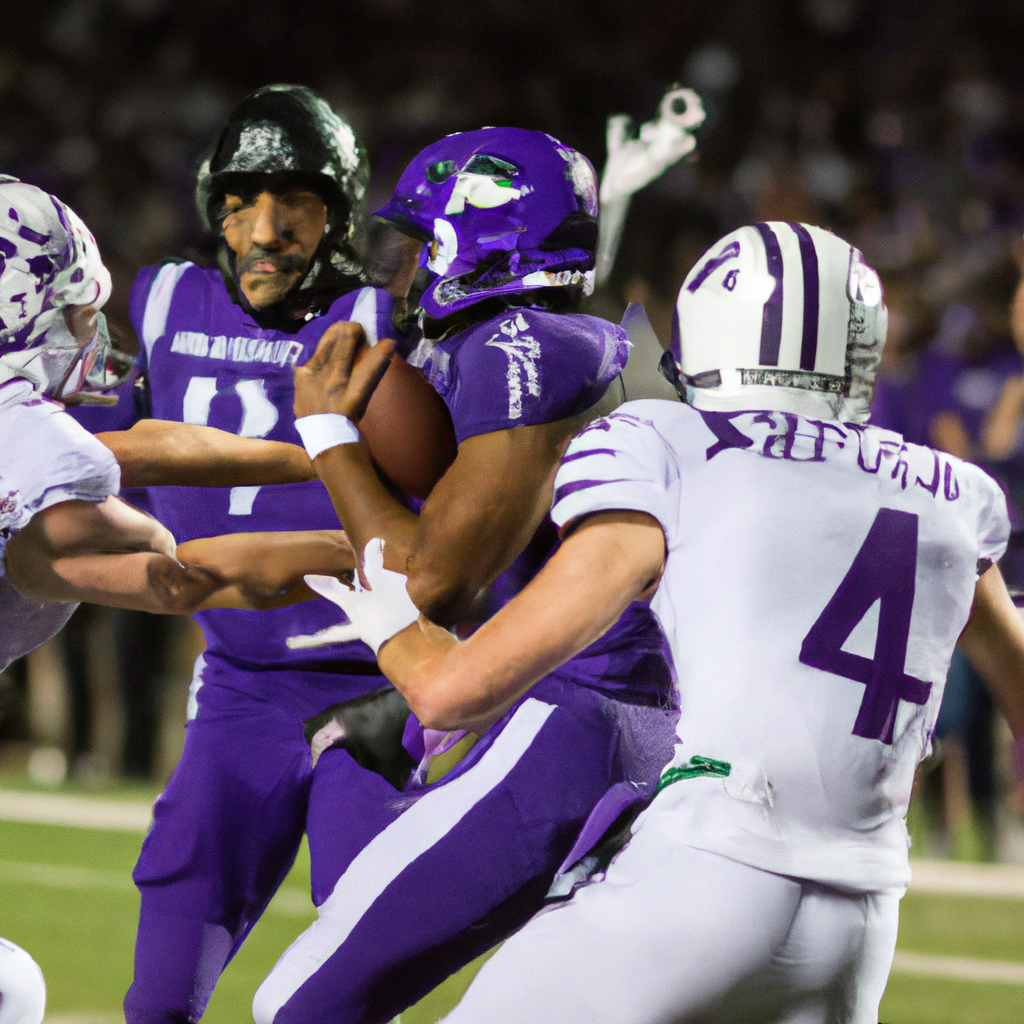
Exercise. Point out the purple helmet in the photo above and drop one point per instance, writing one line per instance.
(510, 210)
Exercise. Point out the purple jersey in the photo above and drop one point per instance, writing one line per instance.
(208, 362)
(530, 366)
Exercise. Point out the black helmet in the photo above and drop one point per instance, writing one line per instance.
(289, 130)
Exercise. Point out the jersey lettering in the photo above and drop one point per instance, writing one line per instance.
(799, 439)
(259, 417)
(883, 570)
(523, 352)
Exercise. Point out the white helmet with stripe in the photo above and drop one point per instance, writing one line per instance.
(780, 316)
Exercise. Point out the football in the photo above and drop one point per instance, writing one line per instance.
(408, 429)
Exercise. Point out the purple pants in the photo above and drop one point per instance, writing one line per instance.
(411, 886)
(225, 831)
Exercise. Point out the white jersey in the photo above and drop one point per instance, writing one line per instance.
(818, 576)
(45, 458)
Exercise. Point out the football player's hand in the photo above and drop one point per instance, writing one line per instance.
(378, 610)
(342, 373)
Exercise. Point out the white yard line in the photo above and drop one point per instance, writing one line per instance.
(958, 968)
(77, 811)
(943, 876)
(290, 901)
(62, 876)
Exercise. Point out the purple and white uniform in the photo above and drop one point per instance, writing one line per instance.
(228, 825)
(74, 467)
(811, 630)
(430, 878)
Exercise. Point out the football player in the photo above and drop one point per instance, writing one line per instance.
(813, 574)
(283, 190)
(428, 878)
(64, 535)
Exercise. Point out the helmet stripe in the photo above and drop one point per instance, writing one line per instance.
(809, 259)
(730, 252)
(771, 318)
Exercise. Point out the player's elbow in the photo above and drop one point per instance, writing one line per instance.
(446, 702)
(177, 589)
(440, 598)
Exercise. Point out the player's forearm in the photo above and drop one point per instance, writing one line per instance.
(161, 452)
(993, 642)
(143, 580)
(364, 505)
(430, 668)
(481, 515)
(265, 570)
(603, 566)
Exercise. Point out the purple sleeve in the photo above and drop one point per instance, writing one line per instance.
(530, 367)
(385, 307)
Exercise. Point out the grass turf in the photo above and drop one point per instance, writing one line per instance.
(67, 897)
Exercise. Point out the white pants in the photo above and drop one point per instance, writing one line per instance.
(675, 935)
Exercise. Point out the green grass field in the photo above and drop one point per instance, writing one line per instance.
(67, 897)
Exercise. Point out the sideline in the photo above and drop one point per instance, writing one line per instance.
(76, 811)
(956, 878)
(289, 901)
(958, 968)
(927, 876)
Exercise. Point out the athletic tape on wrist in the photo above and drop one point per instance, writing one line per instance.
(325, 430)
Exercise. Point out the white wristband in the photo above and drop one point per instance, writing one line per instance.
(325, 430)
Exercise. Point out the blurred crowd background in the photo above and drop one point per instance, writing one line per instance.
(898, 124)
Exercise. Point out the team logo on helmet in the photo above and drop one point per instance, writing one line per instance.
(505, 210)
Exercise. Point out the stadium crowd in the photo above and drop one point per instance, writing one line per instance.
(582, 598)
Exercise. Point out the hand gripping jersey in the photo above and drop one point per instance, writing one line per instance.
(45, 458)
(818, 577)
(530, 366)
(208, 362)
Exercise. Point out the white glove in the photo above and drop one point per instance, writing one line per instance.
(634, 163)
(379, 610)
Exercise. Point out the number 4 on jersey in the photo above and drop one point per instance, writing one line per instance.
(884, 571)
